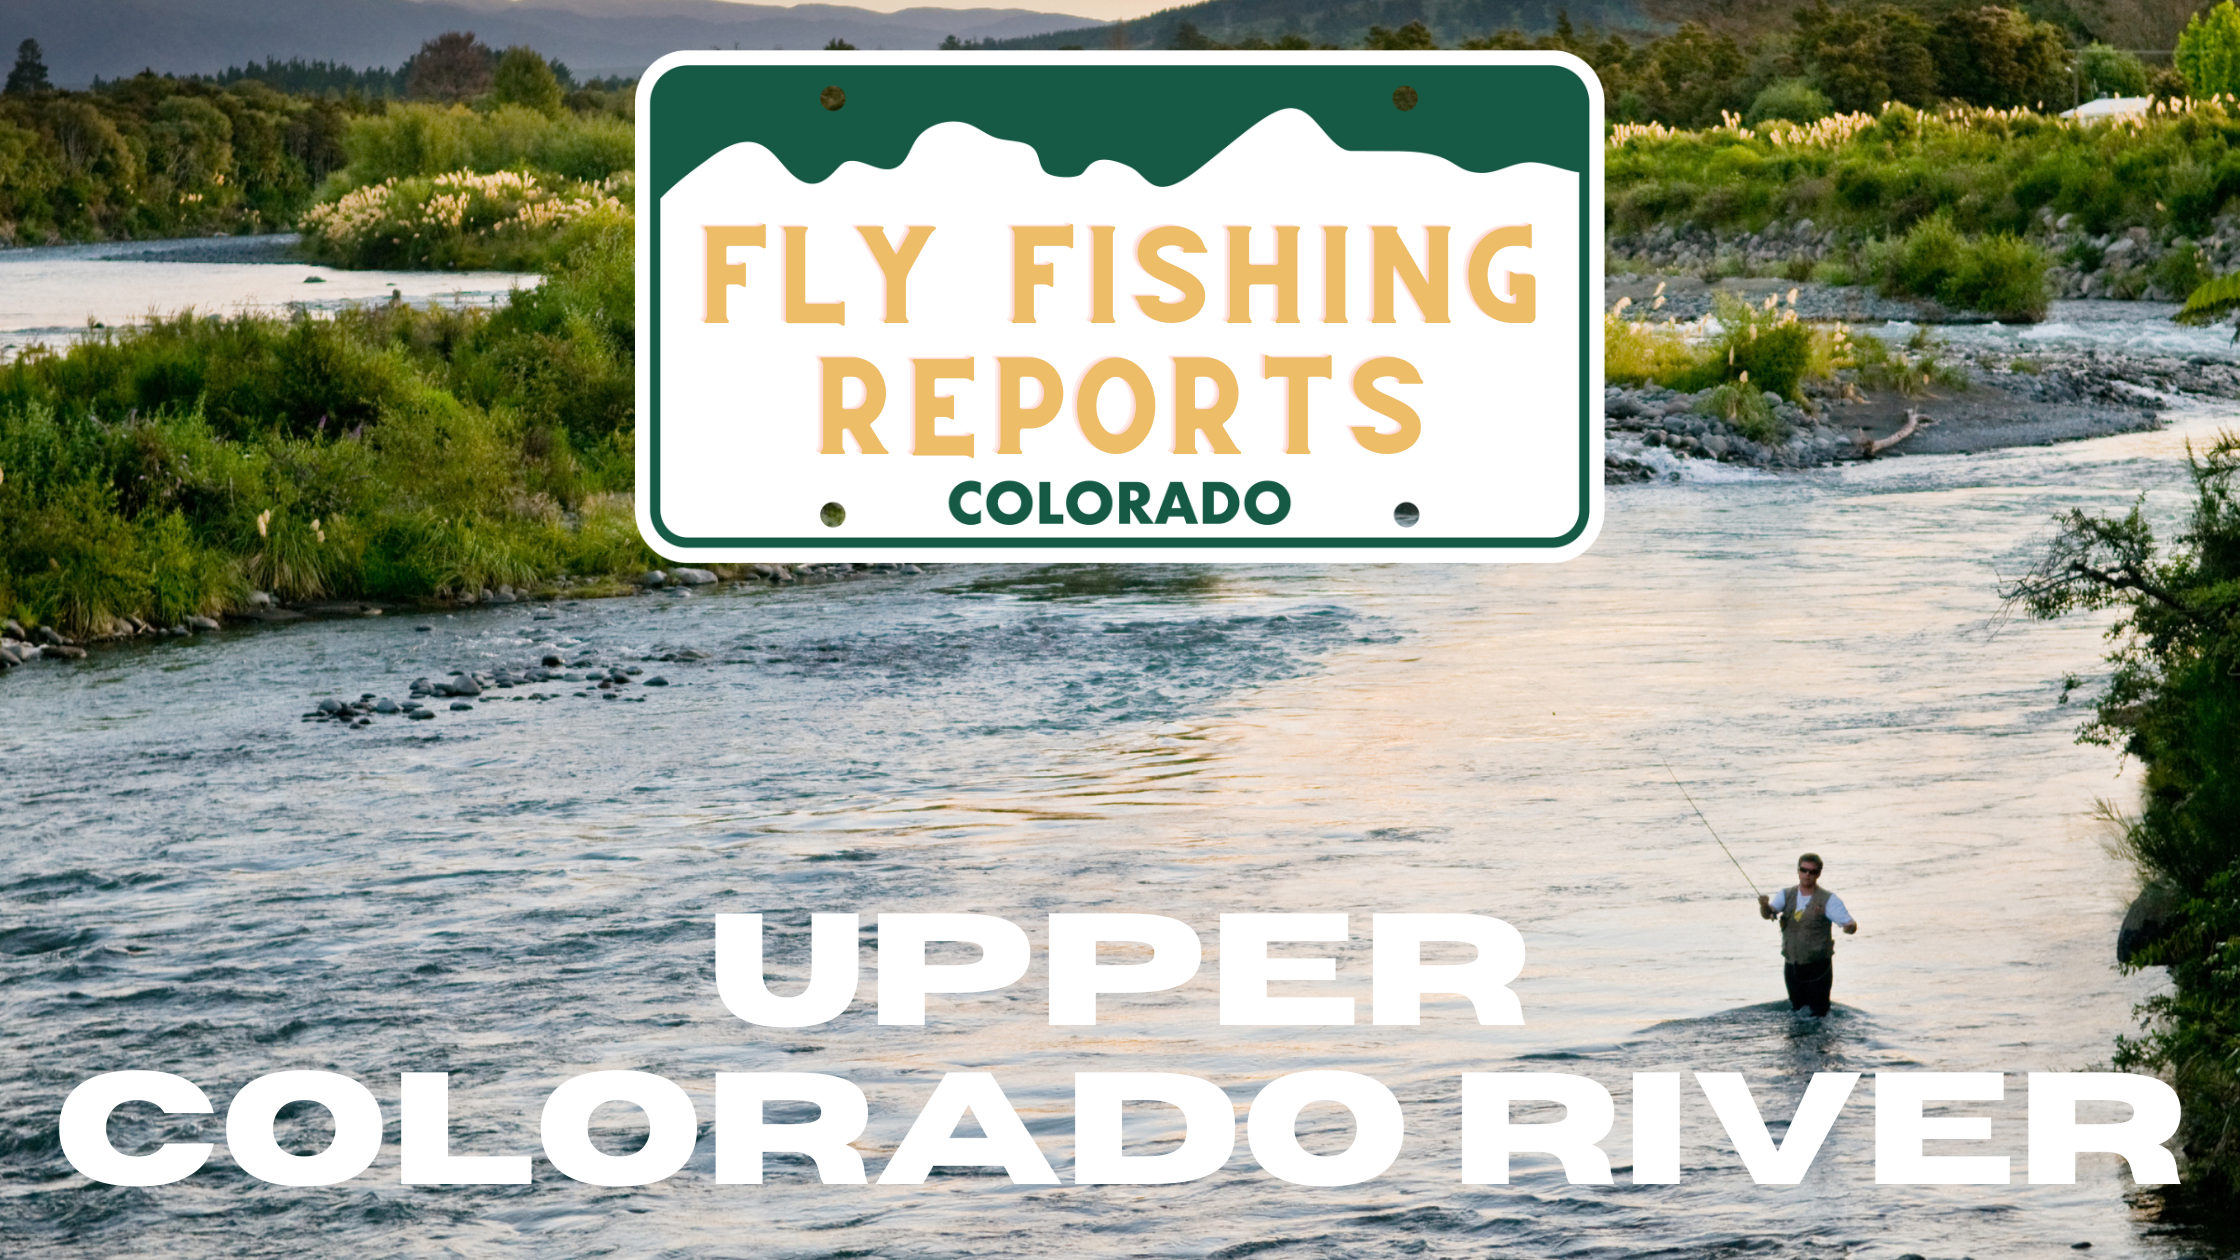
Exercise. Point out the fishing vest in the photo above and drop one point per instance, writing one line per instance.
(1806, 934)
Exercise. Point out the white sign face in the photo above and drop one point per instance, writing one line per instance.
(1300, 349)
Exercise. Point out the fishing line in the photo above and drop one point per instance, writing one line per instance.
(1708, 827)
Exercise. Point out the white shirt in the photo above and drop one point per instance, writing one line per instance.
(1836, 913)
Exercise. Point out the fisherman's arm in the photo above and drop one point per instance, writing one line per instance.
(1765, 908)
(1840, 915)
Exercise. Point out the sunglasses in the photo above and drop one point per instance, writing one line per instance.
(1808, 870)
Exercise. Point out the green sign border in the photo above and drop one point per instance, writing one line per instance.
(1163, 118)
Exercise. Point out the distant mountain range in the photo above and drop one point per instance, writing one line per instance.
(113, 38)
(1343, 23)
(2139, 25)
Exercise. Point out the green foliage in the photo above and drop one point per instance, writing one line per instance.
(507, 221)
(1864, 58)
(1793, 100)
(389, 451)
(420, 140)
(1745, 409)
(525, 79)
(2106, 71)
(2173, 703)
(2211, 301)
(2001, 274)
(2209, 51)
(1999, 57)
(1413, 37)
(150, 156)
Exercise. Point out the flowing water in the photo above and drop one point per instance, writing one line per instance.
(55, 295)
(194, 880)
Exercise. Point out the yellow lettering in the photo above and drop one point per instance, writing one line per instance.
(1026, 273)
(1193, 297)
(799, 309)
(1365, 380)
(840, 418)
(1100, 275)
(722, 272)
(895, 263)
(1093, 381)
(1283, 274)
(1296, 373)
(1427, 285)
(932, 406)
(1190, 419)
(1333, 275)
(1519, 310)
(1014, 417)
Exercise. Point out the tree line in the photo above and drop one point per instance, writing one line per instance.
(1833, 60)
(161, 155)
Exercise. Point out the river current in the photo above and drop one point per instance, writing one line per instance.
(192, 879)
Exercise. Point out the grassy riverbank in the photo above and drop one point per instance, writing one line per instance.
(390, 452)
(1993, 210)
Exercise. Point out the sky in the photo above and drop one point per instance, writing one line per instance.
(1099, 10)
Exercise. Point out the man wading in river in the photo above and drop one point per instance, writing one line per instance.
(1806, 914)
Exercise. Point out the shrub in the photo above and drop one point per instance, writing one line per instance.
(429, 140)
(2106, 71)
(1793, 99)
(505, 220)
(2001, 274)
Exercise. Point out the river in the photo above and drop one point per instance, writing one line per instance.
(194, 880)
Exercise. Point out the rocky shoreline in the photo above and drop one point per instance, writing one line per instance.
(1980, 399)
(21, 645)
(2131, 264)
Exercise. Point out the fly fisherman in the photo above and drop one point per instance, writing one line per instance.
(1806, 914)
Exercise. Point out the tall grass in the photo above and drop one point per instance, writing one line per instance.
(1986, 171)
(390, 452)
(419, 140)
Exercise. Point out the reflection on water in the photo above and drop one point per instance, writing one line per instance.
(50, 295)
(193, 880)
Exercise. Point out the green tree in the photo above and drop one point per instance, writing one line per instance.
(30, 72)
(1995, 56)
(524, 78)
(2209, 51)
(2104, 71)
(454, 66)
(1693, 75)
(837, 44)
(1414, 37)
(2173, 703)
(1865, 58)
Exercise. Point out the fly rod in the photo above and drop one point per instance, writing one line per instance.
(1708, 827)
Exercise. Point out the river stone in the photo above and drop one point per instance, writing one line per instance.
(653, 577)
(422, 715)
(461, 706)
(261, 599)
(463, 685)
(65, 651)
(657, 681)
(330, 705)
(2153, 915)
(201, 623)
(691, 577)
(552, 661)
(384, 705)
(13, 628)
